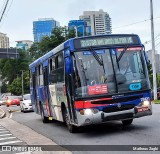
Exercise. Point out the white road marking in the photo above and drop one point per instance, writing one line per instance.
(10, 116)
(6, 135)
(10, 142)
(6, 138)
(4, 131)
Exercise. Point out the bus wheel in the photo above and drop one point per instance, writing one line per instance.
(44, 119)
(127, 122)
(71, 128)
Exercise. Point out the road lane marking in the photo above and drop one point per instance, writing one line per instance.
(10, 116)
(6, 135)
(4, 131)
(6, 138)
(10, 142)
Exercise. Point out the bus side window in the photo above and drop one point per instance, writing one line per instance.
(60, 67)
(57, 69)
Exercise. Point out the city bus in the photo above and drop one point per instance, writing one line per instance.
(82, 81)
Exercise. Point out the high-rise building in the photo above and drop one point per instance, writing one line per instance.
(4, 41)
(98, 21)
(157, 59)
(79, 26)
(43, 27)
(24, 44)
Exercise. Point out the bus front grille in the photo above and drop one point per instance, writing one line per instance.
(116, 108)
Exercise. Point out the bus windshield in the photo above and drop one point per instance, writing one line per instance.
(113, 76)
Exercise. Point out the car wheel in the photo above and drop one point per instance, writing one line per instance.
(127, 122)
(7, 105)
(71, 128)
(44, 118)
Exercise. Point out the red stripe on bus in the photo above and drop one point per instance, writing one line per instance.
(88, 104)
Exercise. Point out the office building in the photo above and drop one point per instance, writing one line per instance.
(79, 26)
(43, 27)
(98, 21)
(24, 44)
(4, 41)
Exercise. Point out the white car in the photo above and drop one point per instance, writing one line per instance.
(26, 105)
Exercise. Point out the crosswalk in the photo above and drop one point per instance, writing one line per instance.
(7, 139)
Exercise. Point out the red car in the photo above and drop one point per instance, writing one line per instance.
(13, 100)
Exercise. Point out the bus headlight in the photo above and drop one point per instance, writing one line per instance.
(88, 111)
(146, 103)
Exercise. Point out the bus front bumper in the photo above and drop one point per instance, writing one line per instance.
(102, 117)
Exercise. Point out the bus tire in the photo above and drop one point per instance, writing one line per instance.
(127, 122)
(44, 119)
(71, 128)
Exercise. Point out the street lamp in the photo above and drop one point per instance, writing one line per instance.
(153, 53)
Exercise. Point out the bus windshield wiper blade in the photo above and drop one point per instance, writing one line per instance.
(99, 60)
(120, 56)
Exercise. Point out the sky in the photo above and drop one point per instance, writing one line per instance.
(18, 19)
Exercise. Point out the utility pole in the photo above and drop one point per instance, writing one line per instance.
(22, 85)
(153, 53)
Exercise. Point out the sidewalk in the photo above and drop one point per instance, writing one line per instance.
(30, 137)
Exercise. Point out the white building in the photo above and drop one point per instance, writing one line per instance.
(157, 59)
(4, 41)
(24, 44)
(99, 21)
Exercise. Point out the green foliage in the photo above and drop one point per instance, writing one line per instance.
(58, 36)
(11, 70)
(16, 86)
(150, 72)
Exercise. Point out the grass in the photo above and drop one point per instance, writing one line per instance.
(156, 101)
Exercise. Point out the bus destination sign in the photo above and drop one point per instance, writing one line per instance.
(106, 40)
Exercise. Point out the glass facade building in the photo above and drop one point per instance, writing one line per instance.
(79, 25)
(43, 27)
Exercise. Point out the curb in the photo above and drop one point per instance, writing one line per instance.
(3, 114)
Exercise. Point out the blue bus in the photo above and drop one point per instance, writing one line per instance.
(92, 80)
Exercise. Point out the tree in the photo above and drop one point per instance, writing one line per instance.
(71, 34)
(10, 69)
(16, 86)
(150, 72)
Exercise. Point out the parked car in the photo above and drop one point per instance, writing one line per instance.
(12, 100)
(26, 105)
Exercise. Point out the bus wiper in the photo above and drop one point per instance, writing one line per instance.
(99, 60)
(120, 56)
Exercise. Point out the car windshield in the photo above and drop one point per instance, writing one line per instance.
(91, 78)
(27, 97)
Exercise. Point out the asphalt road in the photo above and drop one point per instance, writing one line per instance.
(143, 131)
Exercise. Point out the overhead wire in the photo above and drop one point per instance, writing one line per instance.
(5, 15)
(5, 7)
